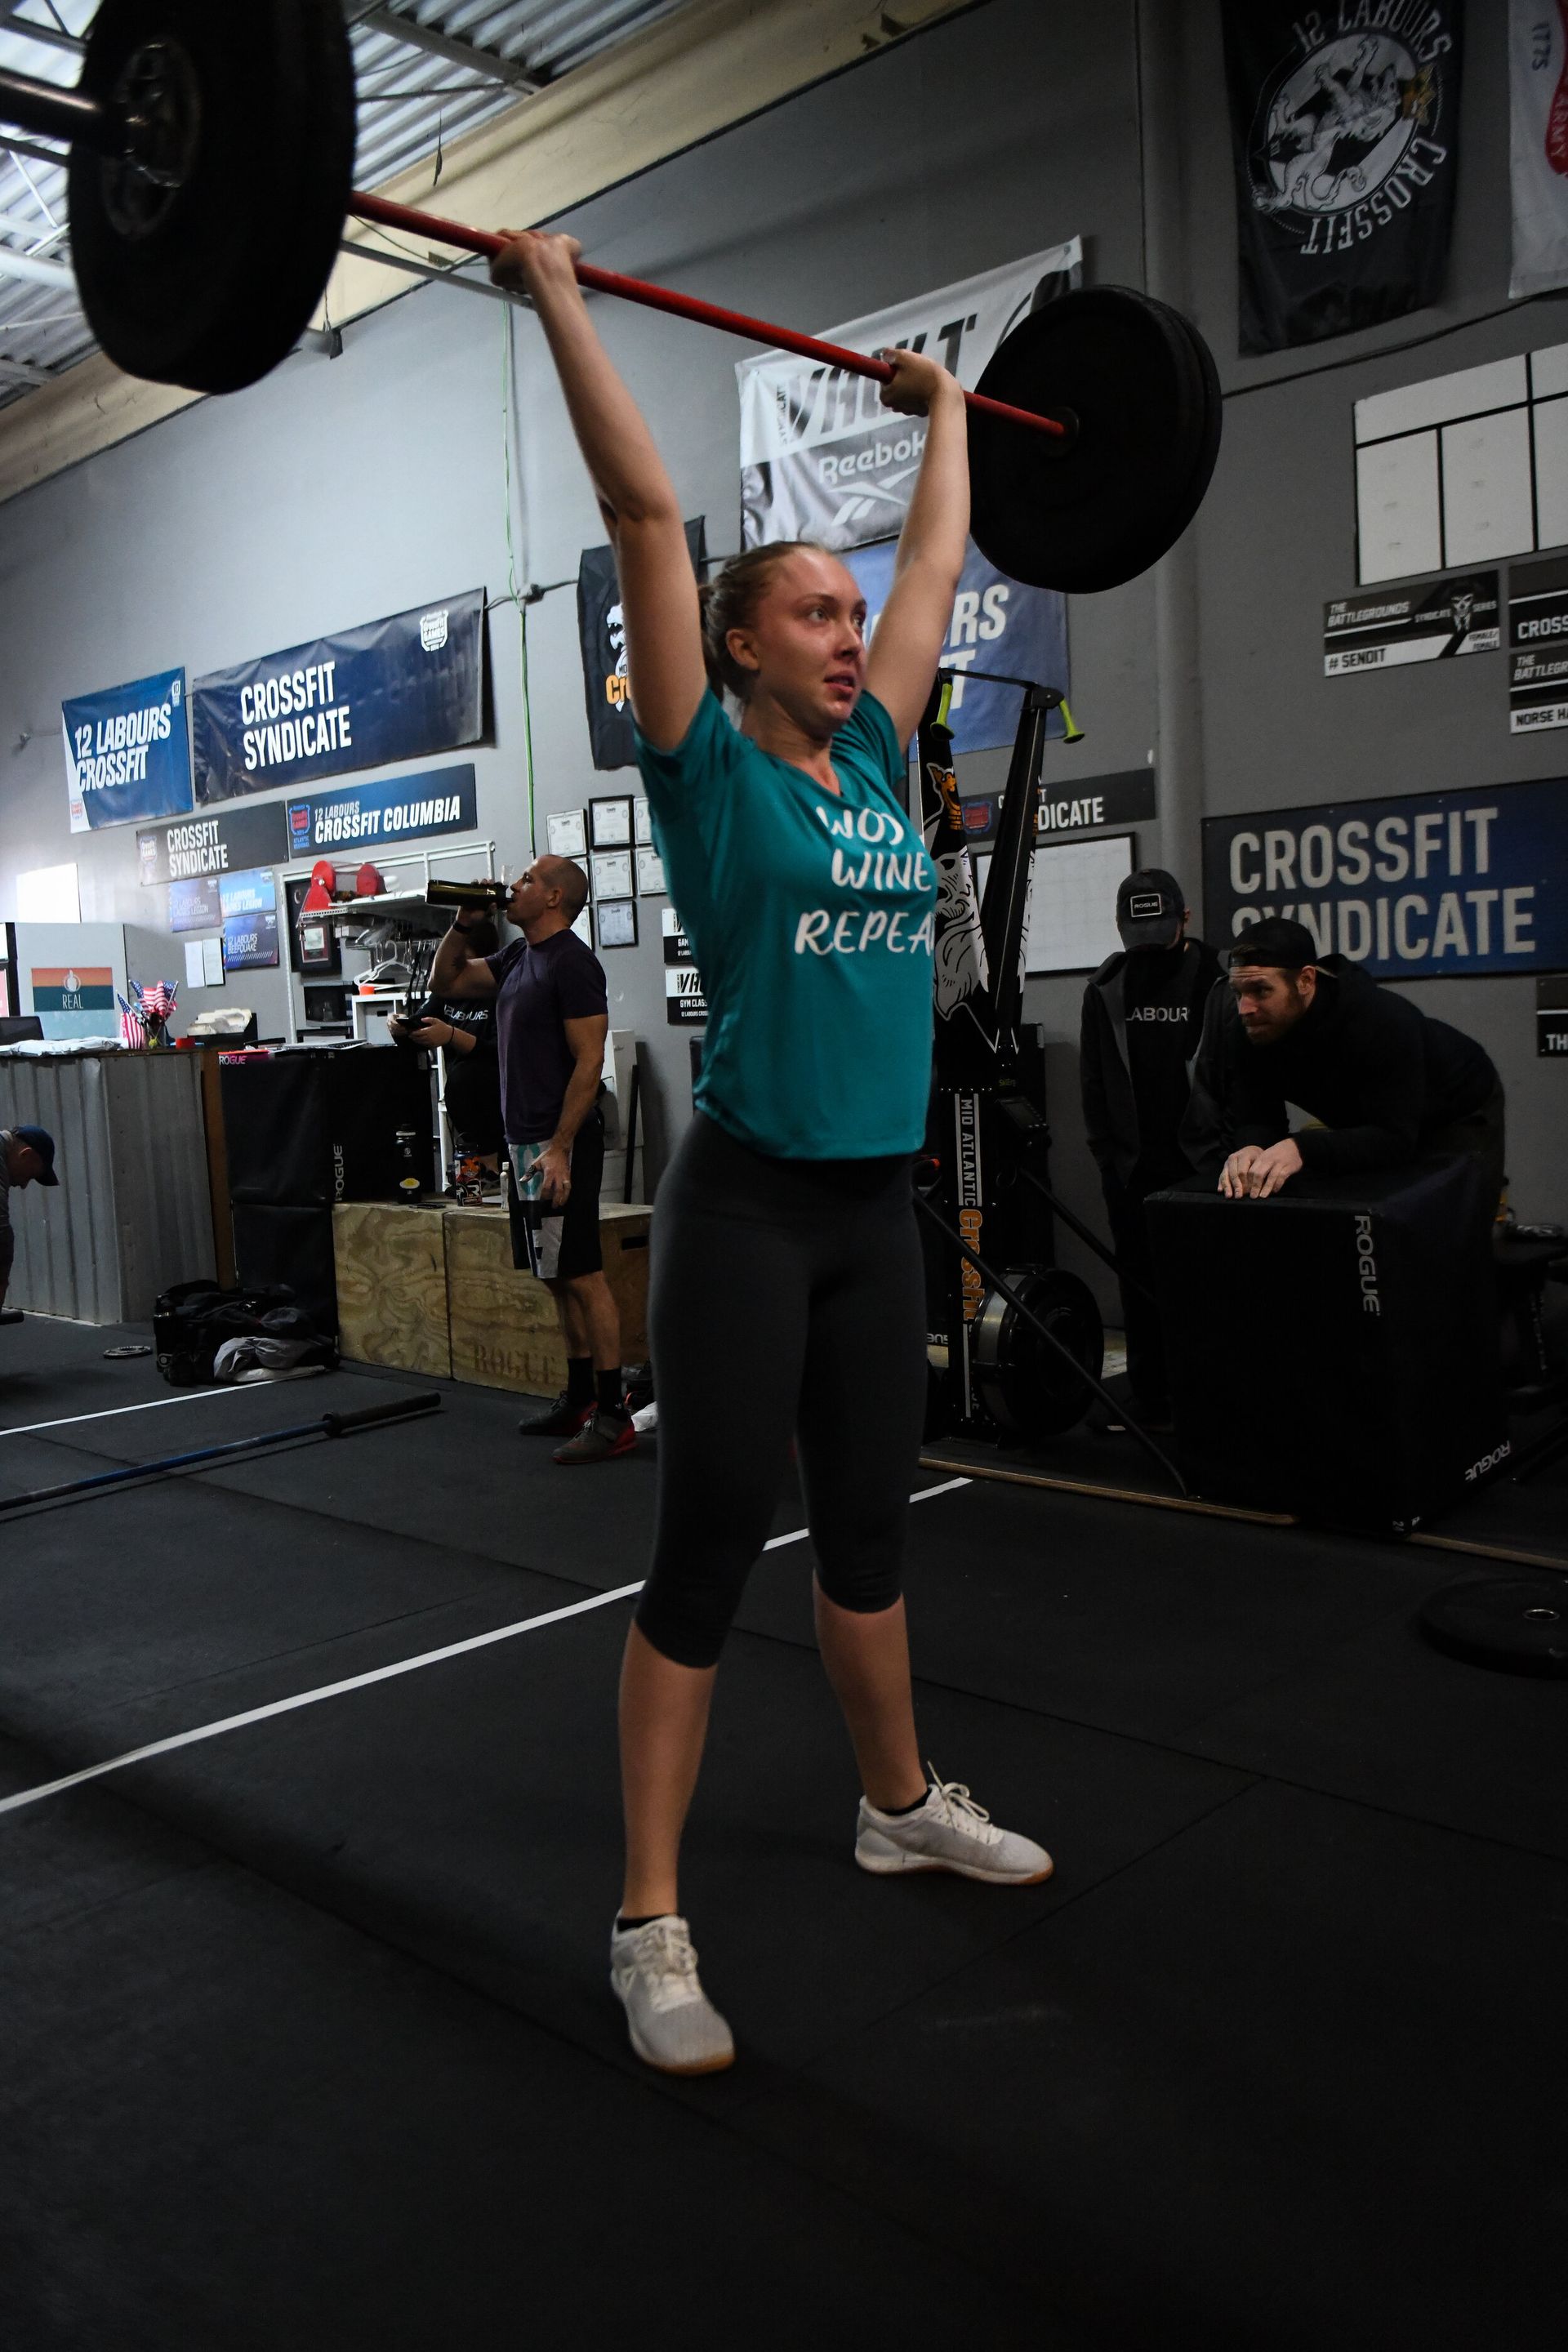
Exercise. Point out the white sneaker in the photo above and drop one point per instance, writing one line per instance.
(949, 1832)
(674, 2025)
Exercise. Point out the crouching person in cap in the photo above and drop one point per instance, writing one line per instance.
(26, 1156)
(1385, 1082)
(1142, 1014)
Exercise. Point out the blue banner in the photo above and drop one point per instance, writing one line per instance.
(1409, 888)
(376, 815)
(195, 906)
(391, 689)
(997, 625)
(249, 942)
(247, 894)
(128, 754)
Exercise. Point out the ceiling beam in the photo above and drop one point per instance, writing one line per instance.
(24, 371)
(49, 36)
(408, 30)
(36, 271)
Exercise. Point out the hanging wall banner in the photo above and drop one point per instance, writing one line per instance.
(1428, 884)
(1344, 130)
(821, 458)
(604, 638)
(1537, 646)
(377, 815)
(996, 624)
(1383, 630)
(214, 844)
(128, 754)
(393, 690)
(1538, 142)
(1071, 806)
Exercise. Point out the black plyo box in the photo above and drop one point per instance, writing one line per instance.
(308, 1130)
(1333, 1353)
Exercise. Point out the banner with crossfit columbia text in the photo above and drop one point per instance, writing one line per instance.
(821, 458)
(1344, 123)
(1538, 142)
(601, 629)
(389, 690)
(128, 754)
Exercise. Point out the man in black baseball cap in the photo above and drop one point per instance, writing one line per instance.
(26, 1156)
(1142, 1017)
(1385, 1080)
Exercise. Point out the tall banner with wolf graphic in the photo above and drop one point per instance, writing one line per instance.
(1345, 125)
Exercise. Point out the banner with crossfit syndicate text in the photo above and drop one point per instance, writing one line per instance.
(389, 690)
(821, 458)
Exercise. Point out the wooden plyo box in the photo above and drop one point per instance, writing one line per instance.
(504, 1334)
(392, 1286)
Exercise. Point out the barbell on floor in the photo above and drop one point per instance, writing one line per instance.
(211, 166)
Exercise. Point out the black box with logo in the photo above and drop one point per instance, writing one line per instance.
(309, 1128)
(1333, 1351)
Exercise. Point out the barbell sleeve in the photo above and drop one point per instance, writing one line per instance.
(380, 210)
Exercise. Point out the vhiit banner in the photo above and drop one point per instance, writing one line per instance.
(128, 754)
(390, 690)
(821, 458)
(1344, 123)
(1538, 143)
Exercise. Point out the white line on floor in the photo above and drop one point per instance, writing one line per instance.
(153, 1404)
(377, 1674)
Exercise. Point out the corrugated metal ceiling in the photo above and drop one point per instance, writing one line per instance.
(459, 63)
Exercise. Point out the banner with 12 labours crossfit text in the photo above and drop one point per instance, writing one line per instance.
(1344, 126)
(128, 754)
(998, 626)
(1538, 144)
(821, 458)
(389, 690)
(601, 629)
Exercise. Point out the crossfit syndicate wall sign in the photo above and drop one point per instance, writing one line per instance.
(1343, 126)
(214, 844)
(1095, 800)
(1382, 630)
(1538, 145)
(377, 815)
(393, 690)
(601, 629)
(996, 624)
(1430, 883)
(685, 1006)
(821, 458)
(128, 752)
(1537, 646)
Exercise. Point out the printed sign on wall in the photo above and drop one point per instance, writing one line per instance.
(821, 458)
(602, 634)
(74, 1000)
(685, 1006)
(1429, 883)
(1120, 799)
(195, 906)
(1537, 646)
(374, 815)
(128, 752)
(1343, 127)
(1538, 143)
(996, 624)
(255, 835)
(1384, 630)
(393, 689)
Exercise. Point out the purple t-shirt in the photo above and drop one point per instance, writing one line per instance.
(538, 989)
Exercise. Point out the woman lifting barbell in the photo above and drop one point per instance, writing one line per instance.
(784, 1248)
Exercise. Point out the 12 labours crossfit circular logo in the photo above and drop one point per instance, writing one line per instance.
(1347, 129)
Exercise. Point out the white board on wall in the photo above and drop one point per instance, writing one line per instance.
(1072, 903)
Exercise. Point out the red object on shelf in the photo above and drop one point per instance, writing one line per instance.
(368, 882)
(324, 882)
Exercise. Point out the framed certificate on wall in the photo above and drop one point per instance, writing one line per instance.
(612, 821)
(611, 872)
(566, 833)
(615, 920)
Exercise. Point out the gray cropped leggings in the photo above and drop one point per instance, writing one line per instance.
(786, 1300)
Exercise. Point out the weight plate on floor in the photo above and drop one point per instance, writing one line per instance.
(1025, 1384)
(1517, 1624)
(203, 245)
(1138, 383)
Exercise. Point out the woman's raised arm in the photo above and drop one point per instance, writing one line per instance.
(642, 514)
(918, 614)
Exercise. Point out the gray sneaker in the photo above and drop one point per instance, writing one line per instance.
(949, 1832)
(674, 2025)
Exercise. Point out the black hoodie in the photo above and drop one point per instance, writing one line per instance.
(1378, 1073)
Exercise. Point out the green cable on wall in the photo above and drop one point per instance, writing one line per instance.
(518, 597)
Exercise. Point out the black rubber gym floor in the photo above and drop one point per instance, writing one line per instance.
(308, 2036)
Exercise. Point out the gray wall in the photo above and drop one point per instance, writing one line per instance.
(339, 490)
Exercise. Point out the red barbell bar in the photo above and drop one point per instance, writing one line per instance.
(681, 306)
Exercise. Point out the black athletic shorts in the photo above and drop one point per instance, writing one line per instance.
(556, 1243)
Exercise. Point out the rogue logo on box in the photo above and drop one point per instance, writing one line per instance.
(1365, 1248)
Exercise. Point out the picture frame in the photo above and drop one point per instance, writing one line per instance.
(642, 820)
(611, 870)
(651, 883)
(615, 922)
(583, 926)
(566, 833)
(611, 821)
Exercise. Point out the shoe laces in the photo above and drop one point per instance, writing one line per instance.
(960, 1811)
(667, 1961)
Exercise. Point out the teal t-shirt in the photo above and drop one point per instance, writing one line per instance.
(811, 917)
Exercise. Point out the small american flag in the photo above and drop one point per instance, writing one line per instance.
(131, 1033)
